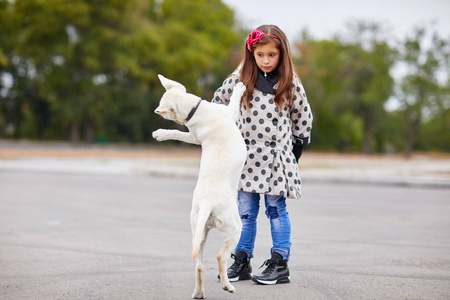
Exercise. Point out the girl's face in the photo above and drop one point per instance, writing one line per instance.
(267, 57)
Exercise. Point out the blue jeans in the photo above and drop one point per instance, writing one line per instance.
(279, 223)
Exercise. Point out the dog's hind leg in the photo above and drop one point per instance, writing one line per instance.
(199, 292)
(222, 258)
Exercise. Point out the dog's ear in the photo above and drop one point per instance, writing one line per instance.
(170, 84)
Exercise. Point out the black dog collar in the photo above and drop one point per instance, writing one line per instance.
(193, 110)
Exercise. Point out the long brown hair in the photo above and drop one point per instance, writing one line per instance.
(249, 69)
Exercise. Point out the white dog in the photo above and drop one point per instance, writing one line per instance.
(214, 203)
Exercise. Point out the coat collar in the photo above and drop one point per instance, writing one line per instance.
(265, 82)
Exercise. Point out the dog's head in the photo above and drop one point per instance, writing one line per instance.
(169, 105)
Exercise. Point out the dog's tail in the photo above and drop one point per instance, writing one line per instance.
(203, 216)
(235, 100)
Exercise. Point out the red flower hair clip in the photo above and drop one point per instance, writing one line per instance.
(255, 36)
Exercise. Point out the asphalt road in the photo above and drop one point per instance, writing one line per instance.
(69, 236)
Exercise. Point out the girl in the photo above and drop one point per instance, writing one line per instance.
(275, 121)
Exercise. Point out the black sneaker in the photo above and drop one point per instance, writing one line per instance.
(241, 268)
(276, 271)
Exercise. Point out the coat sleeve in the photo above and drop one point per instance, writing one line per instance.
(301, 117)
(222, 95)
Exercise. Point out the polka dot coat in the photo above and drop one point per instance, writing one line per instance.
(271, 167)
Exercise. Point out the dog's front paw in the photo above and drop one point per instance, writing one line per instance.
(239, 88)
(161, 134)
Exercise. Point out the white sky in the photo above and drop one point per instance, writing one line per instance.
(324, 18)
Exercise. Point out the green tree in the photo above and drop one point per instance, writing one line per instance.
(10, 107)
(73, 45)
(199, 36)
(423, 91)
(366, 77)
(321, 66)
(91, 66)
(349, 82)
